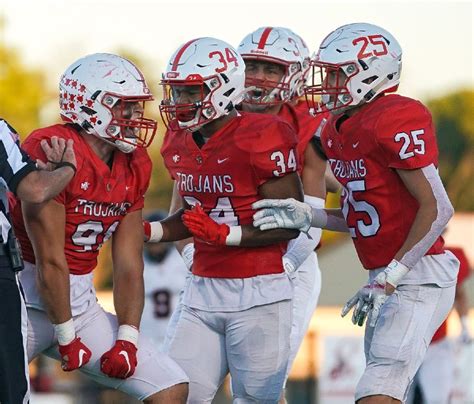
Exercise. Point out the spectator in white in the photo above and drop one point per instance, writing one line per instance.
(36, 183)
(165, 275)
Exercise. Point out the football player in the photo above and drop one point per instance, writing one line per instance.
(382, 149)
(276, 63)
(237, 309)
(102, 99)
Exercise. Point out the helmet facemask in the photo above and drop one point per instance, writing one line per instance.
(263, 93)
(327, 89)
(198, 108)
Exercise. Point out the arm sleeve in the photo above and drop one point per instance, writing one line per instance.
(407, 137)
(15, 164)
(301, 247)
(274, 154)
(444, 212)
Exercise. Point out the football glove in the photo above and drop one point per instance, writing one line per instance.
(120, 361)
(367, 303)
(203, 227)
(74, 355)
(282, 213)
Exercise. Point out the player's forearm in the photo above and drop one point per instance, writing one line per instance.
(174, 229)
(329, 219)
(254, 237)
(40, 186)
(129, 296)
(432, 216)
(54, 289)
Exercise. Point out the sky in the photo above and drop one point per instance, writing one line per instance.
(436, 37)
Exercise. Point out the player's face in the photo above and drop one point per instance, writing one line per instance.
(263, 75)
(189, 97)
(128, 112)
(334, 79)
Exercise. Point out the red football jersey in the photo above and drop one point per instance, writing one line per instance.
(96, 199)
(463, 274)
(393, 132)
(304, 124)
(224, 176)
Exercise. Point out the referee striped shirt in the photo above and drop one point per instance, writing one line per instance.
(15, 164)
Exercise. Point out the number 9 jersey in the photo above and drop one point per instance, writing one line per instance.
(392, 132)
(95, 200)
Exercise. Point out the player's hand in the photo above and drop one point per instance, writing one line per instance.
(120, 361)
(391, 276)
(282, 213)
(203, 227)
(366, 303)
(57, 151)
(74, 355)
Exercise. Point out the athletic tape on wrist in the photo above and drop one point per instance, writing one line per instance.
(314, 201)
(395, 271)
(65, 332)
(128, 333)
(235, 236)
(156, 232)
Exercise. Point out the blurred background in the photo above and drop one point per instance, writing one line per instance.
(39, 39)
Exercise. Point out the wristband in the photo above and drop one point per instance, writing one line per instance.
(128, 333)
(395, 271)
(65, 164)
(65, 332)
(235, 236)
(156, 232)
(314, 201)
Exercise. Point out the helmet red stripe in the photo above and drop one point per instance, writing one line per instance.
(264, 37)
(180, 53)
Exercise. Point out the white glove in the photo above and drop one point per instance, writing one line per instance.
(282, 213)
(367, 301)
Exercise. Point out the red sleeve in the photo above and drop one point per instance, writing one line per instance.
(141, 165)
(274, 152)
(406, 135)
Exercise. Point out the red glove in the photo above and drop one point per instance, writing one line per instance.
(74, 355)
(203, 227)
(120, 362)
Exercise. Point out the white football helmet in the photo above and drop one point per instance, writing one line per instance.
(218, 70)
(353, 65)
(277, 45)
(306, 60)
(92, 86)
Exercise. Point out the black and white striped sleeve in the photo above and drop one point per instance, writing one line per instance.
(15, 164)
